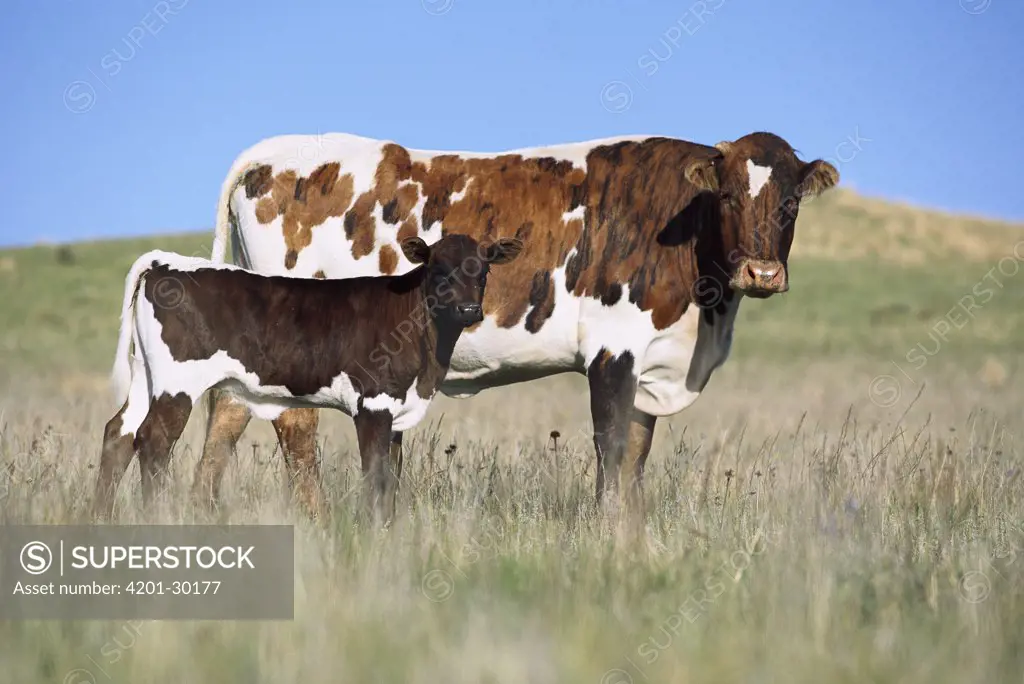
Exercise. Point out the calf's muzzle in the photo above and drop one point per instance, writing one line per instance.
(468, 314)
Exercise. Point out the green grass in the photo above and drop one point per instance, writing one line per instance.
(876, 310)
(64, 316)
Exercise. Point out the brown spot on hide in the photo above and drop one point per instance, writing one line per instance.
(257, 181)
(409, 229)
(387, 260)
(303, 202)
(266, 210)
(360, 224)
(320, 275)
(542, 299)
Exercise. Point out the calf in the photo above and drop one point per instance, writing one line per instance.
(377, 348)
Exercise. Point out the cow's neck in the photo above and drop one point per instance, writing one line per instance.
(709, 258)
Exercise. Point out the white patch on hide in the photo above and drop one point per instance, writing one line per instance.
(759, 176)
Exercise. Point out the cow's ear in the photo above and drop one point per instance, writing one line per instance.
(502, 250)
(703, 172)
(416, 250)
(817, 177)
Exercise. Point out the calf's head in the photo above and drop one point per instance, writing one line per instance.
(758, 182)
(456, 273)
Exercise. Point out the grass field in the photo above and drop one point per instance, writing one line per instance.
(843, 504)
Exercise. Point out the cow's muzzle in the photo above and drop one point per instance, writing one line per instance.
(468, 314)
(760, 278)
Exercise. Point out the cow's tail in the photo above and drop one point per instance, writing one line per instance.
(225, 219)
(121, 375)
(222, 231)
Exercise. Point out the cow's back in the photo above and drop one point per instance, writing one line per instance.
(339, 205)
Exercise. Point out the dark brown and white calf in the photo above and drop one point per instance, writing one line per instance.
(639, 251)
(377, 348)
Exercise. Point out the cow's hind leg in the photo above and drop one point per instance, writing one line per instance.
(157, 434)
(227, 421)
(612, 382)
(373, 430)
(296, 431)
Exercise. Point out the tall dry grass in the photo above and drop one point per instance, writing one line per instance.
(795, 532)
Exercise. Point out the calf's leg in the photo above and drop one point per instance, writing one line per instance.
(296, 431)
(227, 421)
(119, 446)
(396, 465)
(156, 436)
(612, 391)
(373, 431)
(118, 451)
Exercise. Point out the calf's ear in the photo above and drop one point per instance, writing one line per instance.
(416, 250)
(502, 250)
(817, 177)
(703, 172)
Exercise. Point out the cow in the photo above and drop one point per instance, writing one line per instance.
(638, 252)
(374, 347)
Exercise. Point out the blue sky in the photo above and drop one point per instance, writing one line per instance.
(122, 117)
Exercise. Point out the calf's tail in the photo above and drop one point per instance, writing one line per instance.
(121, 376)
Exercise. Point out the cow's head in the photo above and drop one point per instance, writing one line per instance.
(759, 182)
(456, 272)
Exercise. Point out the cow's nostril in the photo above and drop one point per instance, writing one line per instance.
(752, 273)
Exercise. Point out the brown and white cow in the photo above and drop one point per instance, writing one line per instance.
(638, 250)
(278, 343)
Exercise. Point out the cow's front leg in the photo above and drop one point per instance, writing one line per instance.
(638, 447)
(373, 431)
(612, 391)
(296, 431)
